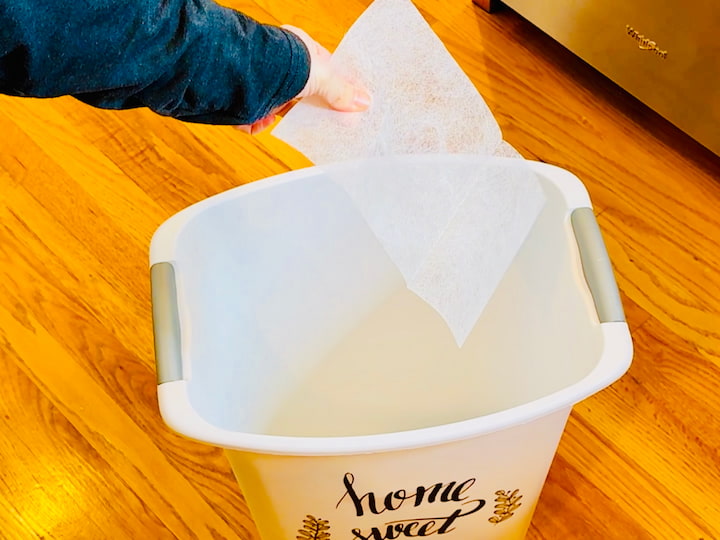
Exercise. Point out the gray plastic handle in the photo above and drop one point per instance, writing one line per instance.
(166, 323)
(596, 266)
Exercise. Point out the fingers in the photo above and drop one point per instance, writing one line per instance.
(284, 109)
(342, 95)
(262, 124)
(338, 92)
(257, 127)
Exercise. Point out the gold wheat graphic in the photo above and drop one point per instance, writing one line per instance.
(314, 529)
(507, 503)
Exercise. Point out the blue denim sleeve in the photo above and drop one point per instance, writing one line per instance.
(190, 59)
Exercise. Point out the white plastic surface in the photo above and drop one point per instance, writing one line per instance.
(274, 277)
(309, 360)
(282, 491)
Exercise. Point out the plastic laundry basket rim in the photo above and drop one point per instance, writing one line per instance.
(179, 414)
(162, 245)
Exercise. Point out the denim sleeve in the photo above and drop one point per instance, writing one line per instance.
(190, 59)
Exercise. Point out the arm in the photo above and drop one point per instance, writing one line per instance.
(189, 59)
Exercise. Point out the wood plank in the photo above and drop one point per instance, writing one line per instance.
(665, 470)
(101, 421)
(678, 281)
(83, 451)
(58, 481)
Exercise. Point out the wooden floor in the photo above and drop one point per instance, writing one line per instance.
(83, 451)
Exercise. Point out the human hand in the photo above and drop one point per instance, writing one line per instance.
(324, 82)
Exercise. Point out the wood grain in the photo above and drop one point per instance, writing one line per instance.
(83, 451)
(487, 5)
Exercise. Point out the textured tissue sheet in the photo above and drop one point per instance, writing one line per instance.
(422, 101)
(452, 228)
(451, 231)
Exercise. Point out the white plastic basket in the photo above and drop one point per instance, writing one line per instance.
(254, 291)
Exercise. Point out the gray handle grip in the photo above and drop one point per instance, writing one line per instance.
(596, 266)
(166, 323)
